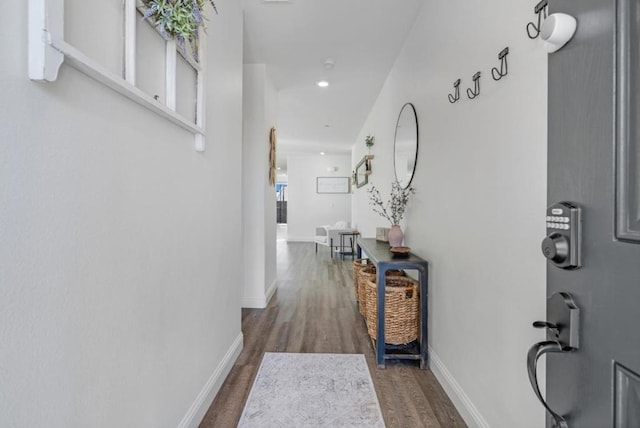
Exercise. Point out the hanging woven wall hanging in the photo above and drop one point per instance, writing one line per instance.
(272, 157)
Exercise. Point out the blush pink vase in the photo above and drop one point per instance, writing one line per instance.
(395, 236)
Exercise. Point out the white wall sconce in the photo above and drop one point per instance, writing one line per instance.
(332, 168)
(557, 30)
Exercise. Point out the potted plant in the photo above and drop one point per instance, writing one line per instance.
(392, 210)
(369, 141)
(178, 20)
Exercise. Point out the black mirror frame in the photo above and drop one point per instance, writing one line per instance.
(415, 116)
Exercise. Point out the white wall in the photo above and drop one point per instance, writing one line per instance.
(307, 209)
(259, 211)
(271, 106)
(119, 243)
(478, 212)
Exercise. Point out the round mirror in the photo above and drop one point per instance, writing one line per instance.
(405, 151)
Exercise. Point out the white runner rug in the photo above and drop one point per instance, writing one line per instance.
(312, 390)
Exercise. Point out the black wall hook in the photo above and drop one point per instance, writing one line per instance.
(476, 90)
(533, 30)
(456, 94)
(504, 68)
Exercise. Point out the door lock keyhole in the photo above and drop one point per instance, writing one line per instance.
(555, 247)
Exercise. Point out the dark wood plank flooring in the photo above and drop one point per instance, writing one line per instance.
(314, 310)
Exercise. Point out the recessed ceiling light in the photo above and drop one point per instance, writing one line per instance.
(279, 168)
(321, 153)
(322, 83)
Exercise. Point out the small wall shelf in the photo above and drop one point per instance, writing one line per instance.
(367, 159)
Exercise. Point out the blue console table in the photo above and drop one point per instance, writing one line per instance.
(379, 255)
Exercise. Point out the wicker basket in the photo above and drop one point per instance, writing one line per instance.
(401, 309)
(366, 274)
(358, 265)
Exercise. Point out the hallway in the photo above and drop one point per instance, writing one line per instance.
(314, 311)
(138, 205)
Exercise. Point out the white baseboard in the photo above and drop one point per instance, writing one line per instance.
(466, 408)
(260, 302)
(203, 401)
(254, 302)
(300, 239)
(271, 291)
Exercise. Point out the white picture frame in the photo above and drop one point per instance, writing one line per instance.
(333, 185)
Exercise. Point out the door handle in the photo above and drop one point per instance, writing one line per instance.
(535, 352)
(563, 328)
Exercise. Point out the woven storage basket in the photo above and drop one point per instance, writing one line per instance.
(366, 274)
(401, 302)
(357, 267)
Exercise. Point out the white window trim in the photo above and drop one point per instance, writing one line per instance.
(48, 50)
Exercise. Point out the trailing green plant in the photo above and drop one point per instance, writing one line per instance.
(180, 20)
(394, 209)
(369, 141)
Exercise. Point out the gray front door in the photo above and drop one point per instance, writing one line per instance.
(594, 162)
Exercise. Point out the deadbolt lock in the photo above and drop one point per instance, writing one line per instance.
(561, 246)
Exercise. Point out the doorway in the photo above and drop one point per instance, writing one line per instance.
(281, 211)
(281, 203)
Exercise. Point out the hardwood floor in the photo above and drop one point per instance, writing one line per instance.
(314, 310)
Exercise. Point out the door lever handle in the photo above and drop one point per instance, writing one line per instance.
(563, 334)
(553, 328)
(535, 352)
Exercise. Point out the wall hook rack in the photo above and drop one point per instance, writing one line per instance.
(504, 68)
(456, 94)
(533, 30)
(476, 90)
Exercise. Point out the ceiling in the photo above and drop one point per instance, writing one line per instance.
(295, 38)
